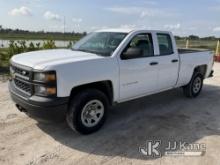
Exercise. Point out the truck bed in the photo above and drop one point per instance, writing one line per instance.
(185, 51)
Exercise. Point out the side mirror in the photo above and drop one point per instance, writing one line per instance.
(131, 53)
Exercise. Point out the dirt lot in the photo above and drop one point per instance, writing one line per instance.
(166, 116)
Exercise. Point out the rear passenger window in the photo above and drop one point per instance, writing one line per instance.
(165, 44)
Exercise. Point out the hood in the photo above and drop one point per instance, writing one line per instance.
(44, 58)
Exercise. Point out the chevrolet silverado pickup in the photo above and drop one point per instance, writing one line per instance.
(103, 68)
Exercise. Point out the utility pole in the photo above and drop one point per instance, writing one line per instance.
(187, 44)
(217, 49)
(64, 30)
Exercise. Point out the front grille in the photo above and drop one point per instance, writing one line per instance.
(21, 78)
(25, 87)
(22, 73)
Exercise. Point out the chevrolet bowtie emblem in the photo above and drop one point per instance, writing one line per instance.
(24, 72)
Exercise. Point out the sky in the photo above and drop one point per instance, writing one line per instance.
(182, 17)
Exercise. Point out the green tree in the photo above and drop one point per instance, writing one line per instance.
(193, 37)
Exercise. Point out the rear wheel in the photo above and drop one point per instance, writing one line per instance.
(194, 87)
(87, 111)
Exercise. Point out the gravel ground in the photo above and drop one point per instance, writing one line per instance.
(167, 116)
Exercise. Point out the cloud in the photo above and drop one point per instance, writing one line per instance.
(148, 13)
(172, 26)
(150, 2)
(25, 11)
(52, 16)
(93, 28)
(139, 11)
(134, 26)
(128, 26)
(77, 20)
(192, 28)
(30, 2)
(216, 29)
(124, 10)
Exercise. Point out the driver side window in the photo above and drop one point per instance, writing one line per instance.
(143, 43)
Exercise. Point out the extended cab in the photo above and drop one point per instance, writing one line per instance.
(103, 68)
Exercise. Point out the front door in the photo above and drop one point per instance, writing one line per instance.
(138, 74)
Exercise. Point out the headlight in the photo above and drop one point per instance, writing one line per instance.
(45, 77)
(44, 91)
(45, 83)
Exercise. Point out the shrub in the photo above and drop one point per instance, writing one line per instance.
(16, 47)
(50, 44)
(70, 45)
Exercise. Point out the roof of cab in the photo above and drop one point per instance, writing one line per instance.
(129, 30)
(116, 30)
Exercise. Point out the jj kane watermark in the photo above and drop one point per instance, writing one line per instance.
(154, 148)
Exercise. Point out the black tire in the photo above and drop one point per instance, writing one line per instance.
(189, 90)
(77, 104)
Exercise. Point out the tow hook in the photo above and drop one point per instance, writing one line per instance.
(211, 74)
(21, 109)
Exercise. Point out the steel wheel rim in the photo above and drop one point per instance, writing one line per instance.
(92, 113)
(197, 85)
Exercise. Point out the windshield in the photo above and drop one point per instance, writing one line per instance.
(101, 43)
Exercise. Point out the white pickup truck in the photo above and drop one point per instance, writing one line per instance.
(103, 68)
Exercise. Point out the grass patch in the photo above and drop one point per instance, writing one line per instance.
(203, 44)
(4, 57)
(4, 65)
(35, 36)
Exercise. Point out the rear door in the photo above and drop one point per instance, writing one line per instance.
(168, 60)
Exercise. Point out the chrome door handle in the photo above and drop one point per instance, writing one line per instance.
(154, 63)
(174, 60)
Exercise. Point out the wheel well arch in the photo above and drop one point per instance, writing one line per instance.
(201, 69)
(105, 86)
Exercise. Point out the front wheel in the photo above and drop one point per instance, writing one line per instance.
(194, 87)
(87, 111)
